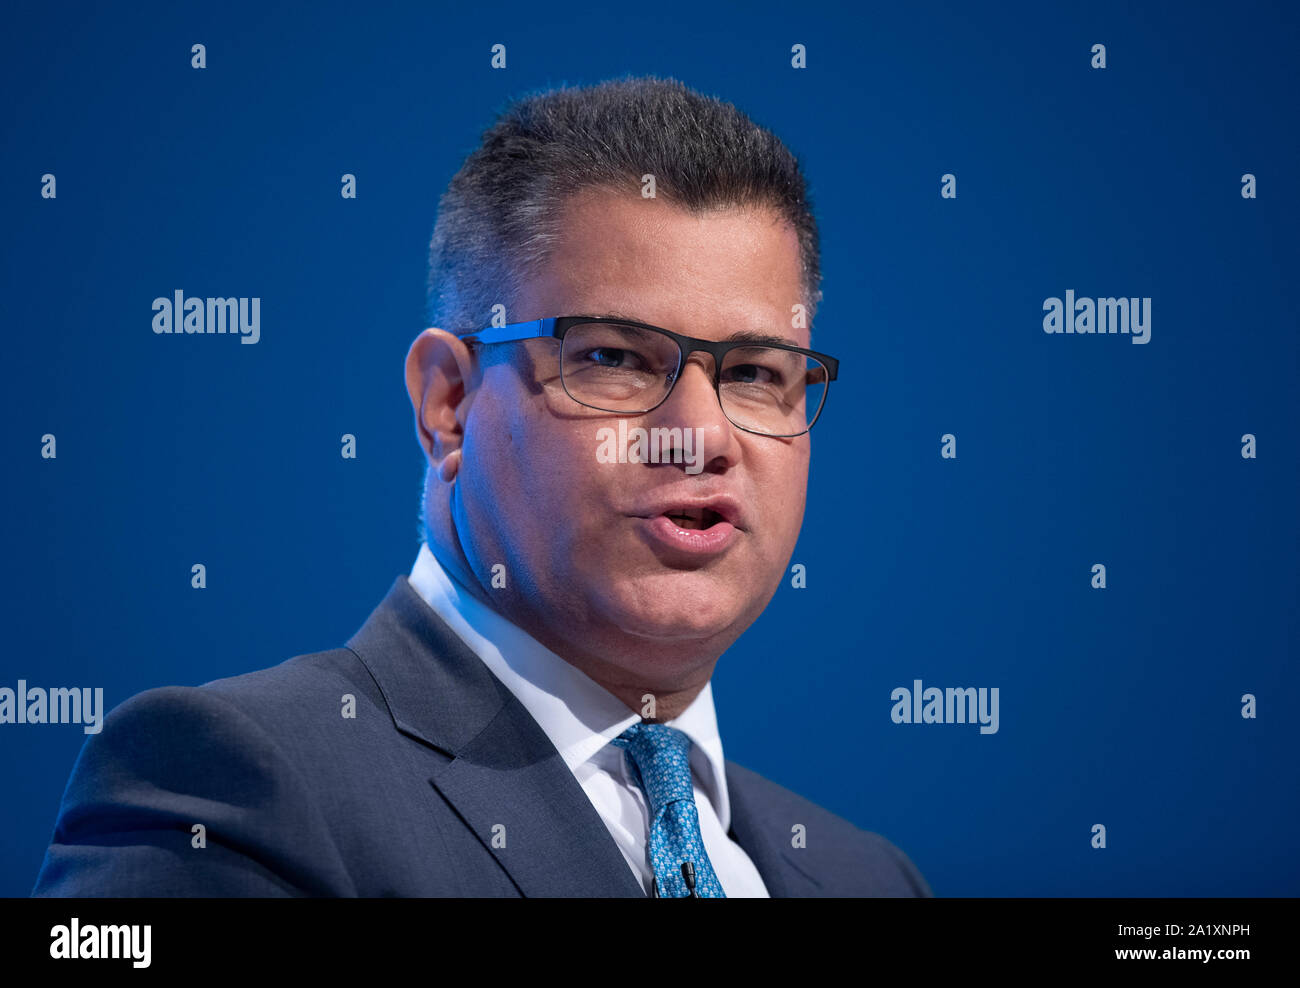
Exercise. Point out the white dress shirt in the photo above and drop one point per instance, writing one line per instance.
(581, 718)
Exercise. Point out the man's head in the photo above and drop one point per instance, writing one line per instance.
(549, 218)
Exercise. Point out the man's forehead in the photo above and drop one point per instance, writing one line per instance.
(723, 324)
(711, 274)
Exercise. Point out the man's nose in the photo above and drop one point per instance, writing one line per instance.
(693, 404)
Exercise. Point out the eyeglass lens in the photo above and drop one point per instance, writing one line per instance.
(620, 368)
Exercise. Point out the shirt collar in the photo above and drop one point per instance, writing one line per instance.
(578, 714)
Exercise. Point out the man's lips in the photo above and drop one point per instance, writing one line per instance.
(696, 512)
(693, 525)
(665, 533)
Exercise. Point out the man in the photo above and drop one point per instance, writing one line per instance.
(617, 436)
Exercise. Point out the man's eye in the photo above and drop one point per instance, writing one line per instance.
(749, 374)
(608, 356)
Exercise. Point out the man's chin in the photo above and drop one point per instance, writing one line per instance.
(678, 617)
(679, 636)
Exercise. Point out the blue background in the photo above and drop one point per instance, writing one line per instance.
(1118, 706)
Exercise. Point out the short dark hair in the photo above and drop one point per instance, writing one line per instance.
(499, 216)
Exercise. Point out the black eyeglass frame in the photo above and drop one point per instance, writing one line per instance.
(557, 326)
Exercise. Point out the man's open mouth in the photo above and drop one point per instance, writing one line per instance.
(693, 517)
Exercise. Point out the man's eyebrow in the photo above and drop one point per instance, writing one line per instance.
(746, 336)
(740, 336)
(613, 315)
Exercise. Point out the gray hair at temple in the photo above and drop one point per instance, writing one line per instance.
(500, 214)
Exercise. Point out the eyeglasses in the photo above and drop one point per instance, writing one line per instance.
(613, 365)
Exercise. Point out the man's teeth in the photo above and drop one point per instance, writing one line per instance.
(693, 518)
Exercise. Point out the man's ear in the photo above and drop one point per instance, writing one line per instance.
(439, 375)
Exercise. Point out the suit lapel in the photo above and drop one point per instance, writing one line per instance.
(764, 838)
(504, 777)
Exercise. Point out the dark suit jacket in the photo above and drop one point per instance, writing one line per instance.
(400, 800)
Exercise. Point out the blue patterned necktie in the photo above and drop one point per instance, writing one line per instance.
(660, 760)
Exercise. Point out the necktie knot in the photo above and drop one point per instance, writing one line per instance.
(661, 756)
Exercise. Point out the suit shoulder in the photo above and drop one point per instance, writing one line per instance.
(167, 761)
(878, 857)
(298, 683)
(310, 671)
(269, 697)
(293, 713)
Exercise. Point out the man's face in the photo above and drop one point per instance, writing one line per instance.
(590, 558)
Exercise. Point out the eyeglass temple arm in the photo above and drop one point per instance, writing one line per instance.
(514, 331)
